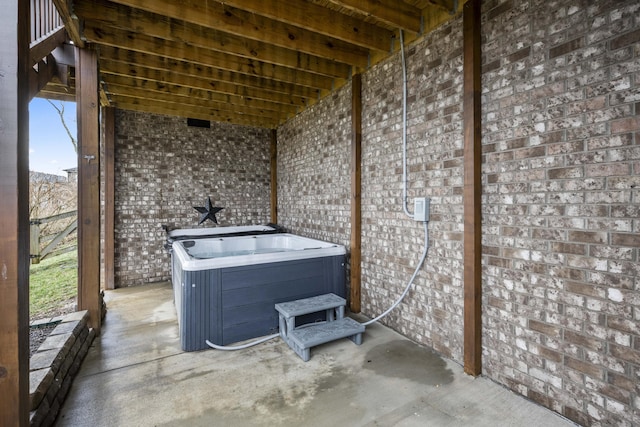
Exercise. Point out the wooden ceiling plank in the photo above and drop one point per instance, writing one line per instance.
(152, 60)
(194, 103)
(434, 16)
(447, 5)
(217, 15)
(102, 14)
(209, 73)
(184, 94)
(393, 12)
(98, 32)
(180, 51)
(325, 21)
(212, 85)
(221, 87)
(199, 113)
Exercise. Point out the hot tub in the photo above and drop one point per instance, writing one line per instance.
(225, 288)
(178, 234)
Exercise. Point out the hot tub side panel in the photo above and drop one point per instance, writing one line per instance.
(200, 309)
(237, 303)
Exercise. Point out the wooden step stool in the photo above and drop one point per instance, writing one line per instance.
(302, 338)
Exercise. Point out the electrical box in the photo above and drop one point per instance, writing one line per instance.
(421, 208)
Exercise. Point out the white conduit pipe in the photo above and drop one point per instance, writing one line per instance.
(404, 185)
(243, 346)
(415, 273)
(404, 128)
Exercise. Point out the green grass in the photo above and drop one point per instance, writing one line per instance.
(52, 285)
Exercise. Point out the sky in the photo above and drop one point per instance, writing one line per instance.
(50, 149)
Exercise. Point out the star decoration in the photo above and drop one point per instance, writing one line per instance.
(208, 212)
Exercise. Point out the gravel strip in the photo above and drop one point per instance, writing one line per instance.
(37, 337)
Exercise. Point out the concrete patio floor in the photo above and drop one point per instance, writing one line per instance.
(135, 374)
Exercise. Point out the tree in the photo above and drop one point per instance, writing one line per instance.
(60, 110)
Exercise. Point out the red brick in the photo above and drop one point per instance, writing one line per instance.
(607, 169)
(587, 236)
(621, 396)
(621, 381)
(550, 354)
(545, 328)
(626, 239)
(584, 367)
(583, 341)
(624, 353)
(520, 54)
(565, 48)
(564, 173)
(628, 124)
(577, 416)
(587, 289)
(539, 398)
(504, 7)
(569, 248)
(625, 39)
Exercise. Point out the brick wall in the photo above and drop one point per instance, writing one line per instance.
(164, 168)
(561, 108)
(314, 182)
(561, 205)
(314, 186)
(392, 242)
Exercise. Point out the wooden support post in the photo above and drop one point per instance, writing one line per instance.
(274, 176)
(356, 174)
(472, 191)
(14, 213)
(87, 104)
(108, 140)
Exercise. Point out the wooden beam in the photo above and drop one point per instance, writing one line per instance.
(57, 92)
(219, 112)
(42, 48)
(179, 51)
(435, 15)
(70, 20)
(14, 213)
(274, 176)
(109, 148)
(446, 5)
(217, 15)
(356, 179)
(123, 94)
(169, 78)
(325, 21)
(103, 15)
(225, 63)
(88, 185)
(39, 79)
(241, 92)
(144, 89)
(210, 77)
(199, 113)
(472, 191)
(178, 65)
(398, 14)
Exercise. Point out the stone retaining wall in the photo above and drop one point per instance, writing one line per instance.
(55, 364)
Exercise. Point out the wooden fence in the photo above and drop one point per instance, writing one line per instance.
(51, 241)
